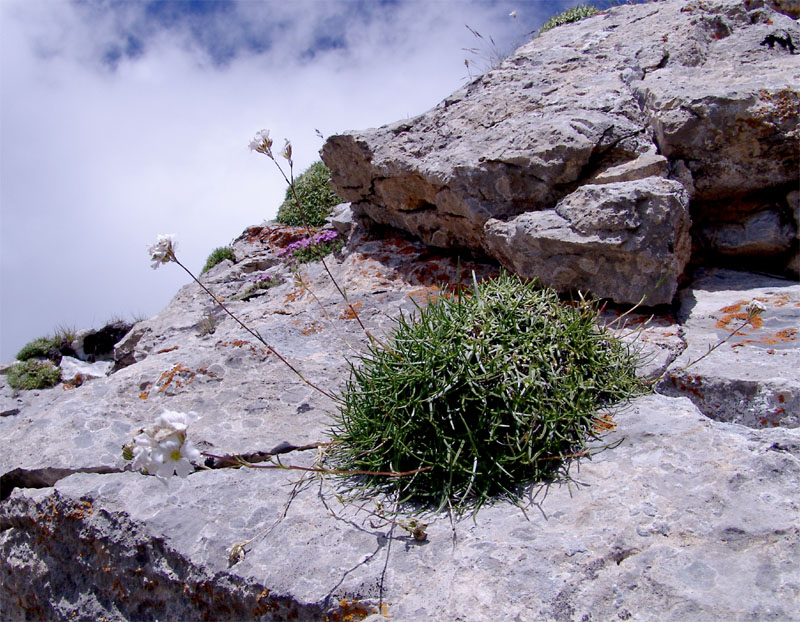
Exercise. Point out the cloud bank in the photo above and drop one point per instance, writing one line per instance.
(123, 120)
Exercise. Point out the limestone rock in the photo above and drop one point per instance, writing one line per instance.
(793, 200)
(752, 378)
(763, 233)
(677, 516)
(75, 371)
(622, 240)
(788, 7)
(605, 99)
(341, 218)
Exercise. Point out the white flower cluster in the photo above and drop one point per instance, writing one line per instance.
(262, 143)
(755, 308)
(163, 449)
(163, 251)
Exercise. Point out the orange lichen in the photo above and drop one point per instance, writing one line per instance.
(734, 308)
(351, 311)
(353, 611)
(723, 323)
(311, 329)
(178, 374)
(783, 104)
(167, 350)
(603, 423)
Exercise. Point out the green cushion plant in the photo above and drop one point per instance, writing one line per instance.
(314, 194)
(217, 255)
(33, 374)
(43, 347)
(483, 393)
(574, 14)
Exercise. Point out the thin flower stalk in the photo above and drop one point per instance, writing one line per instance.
(164, 252)
(278, 465)
(259, 144)
(754, 309)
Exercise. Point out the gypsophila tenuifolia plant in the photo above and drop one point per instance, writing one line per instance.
(485, 392)
(316, 197)
(574, 14)
(32, 374)
(217, 255)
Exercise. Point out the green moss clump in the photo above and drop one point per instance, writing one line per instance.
(574, 14)
(217, 255)
(33, 374)
(483, 393)
(315, 195)
(43, 347)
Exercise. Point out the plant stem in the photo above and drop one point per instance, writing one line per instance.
(254, 333)
(341, 291)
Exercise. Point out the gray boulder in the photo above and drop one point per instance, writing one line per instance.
(588, 240)
(669, 88)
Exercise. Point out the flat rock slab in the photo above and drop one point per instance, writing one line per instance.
(753, 378)
(679, 518)
(684, 519)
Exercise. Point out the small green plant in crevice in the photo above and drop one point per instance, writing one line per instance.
(259, 285)
(574, 14)
(314, 194)
(218, 255)
(207, 326)
(480, 394)
(32, 374)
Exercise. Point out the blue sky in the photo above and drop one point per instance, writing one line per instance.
(123, 119)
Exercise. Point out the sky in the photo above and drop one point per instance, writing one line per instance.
(124, 119)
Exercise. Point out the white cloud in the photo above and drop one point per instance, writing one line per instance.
(97, 160)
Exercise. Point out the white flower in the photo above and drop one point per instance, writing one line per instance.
(755, 308)
(163, 449)
(163, 251)
(262, 143)
(287, 150)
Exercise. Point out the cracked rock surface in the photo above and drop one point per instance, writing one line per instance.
(677, 516)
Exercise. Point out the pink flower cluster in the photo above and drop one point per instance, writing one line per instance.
(266, 278)
(323, 237)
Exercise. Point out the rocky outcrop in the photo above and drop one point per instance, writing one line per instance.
(686, 510)
(569, 162)
(637, 97)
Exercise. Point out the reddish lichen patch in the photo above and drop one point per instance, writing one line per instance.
(351, 311)
(724, 322)
(734, 308)
(165, 350)
(603, 423)
(690, 384)
(782, 105)
(240, 343)
(310, 329)
(179, 376)
(352, 611)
